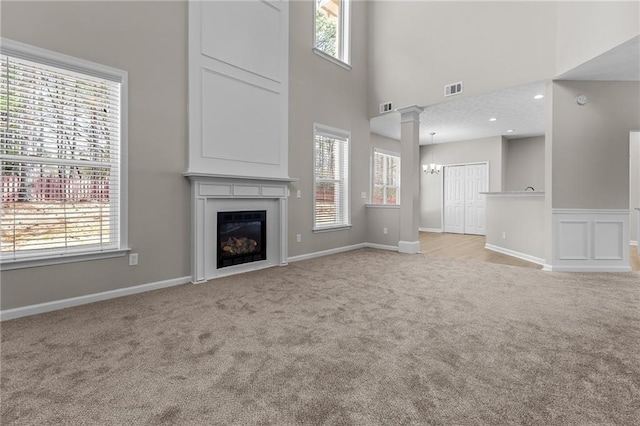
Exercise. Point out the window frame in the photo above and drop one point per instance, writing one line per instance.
(332, 132)
(48, 58)
(343, 58)
(385, 185)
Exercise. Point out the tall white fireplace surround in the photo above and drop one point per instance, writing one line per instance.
(211, 194)
(238, 124)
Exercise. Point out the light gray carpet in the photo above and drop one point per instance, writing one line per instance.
(367, 337)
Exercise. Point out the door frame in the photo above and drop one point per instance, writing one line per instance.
(442, 187)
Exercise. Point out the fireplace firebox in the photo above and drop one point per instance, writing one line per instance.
(242, 237)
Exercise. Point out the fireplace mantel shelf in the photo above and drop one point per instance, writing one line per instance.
(199, 175)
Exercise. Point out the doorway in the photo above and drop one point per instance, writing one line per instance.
(464, 205)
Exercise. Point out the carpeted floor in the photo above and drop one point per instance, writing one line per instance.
(366, 337)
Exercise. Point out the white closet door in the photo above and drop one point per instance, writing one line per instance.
(464, 207)
(476, 181)
(454, 199)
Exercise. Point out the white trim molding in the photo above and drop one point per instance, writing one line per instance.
(590, 240)
(435, 230)
(516, 254)
(9, 314)
(409, 247)
(381, 246)
(341, 250)
(326, 252)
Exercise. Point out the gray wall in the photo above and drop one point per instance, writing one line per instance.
(516, 224)
(487, 45)
(323, 92)
(590, 143)
(147, 39)
(471, 151)
(419, 46)
(588, 28)
(525, 164)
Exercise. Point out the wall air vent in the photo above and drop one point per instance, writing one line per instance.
(453, 89)
(387, 107)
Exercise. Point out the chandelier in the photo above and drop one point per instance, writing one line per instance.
(432, 168)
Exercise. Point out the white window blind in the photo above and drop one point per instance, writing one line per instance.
(331, 169)
(60, 147)
(386, 177)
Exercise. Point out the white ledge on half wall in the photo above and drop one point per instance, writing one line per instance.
(515, 194)
(217, 176)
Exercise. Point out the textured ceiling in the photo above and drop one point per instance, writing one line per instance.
(468, 118)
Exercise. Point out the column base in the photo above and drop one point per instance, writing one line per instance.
(409, 247)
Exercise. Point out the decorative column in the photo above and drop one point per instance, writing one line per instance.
(409, 179)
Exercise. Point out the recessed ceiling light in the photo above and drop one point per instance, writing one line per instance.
(510, 131)
(492, 119)
(538, 97)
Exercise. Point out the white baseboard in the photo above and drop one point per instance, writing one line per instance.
(40, 308)
(326, 252)
(381, 246)
(633, 243)
(595, 268)
(436, 230)
(516, 254)
(341, 250)
(409, 247)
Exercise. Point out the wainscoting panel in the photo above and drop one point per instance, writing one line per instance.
(238, 88)
(590, 240)
(243, 124)
(247, 26)
(573, 240)
(607, 238)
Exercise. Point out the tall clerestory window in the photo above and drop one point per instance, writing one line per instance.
(62, 146)
(332, 29)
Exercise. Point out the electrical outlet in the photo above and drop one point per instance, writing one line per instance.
(504, 235)
(298, 238)
(133, 259)
(385, 231)
(299, 193)
(363, 195)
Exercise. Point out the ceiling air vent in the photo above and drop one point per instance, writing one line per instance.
(388, 107)
(453, 89)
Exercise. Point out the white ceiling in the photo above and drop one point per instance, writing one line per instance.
(515, 108)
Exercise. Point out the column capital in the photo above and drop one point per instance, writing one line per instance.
(410, 113)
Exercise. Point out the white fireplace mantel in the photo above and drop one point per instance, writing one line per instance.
(210, 194)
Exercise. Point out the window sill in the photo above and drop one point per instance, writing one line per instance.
(383, 206)
(331, 229)
(34, 261)
(331, 59)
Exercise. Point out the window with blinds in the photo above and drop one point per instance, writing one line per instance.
(331, 178)
(61, 153)
(386, 177)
